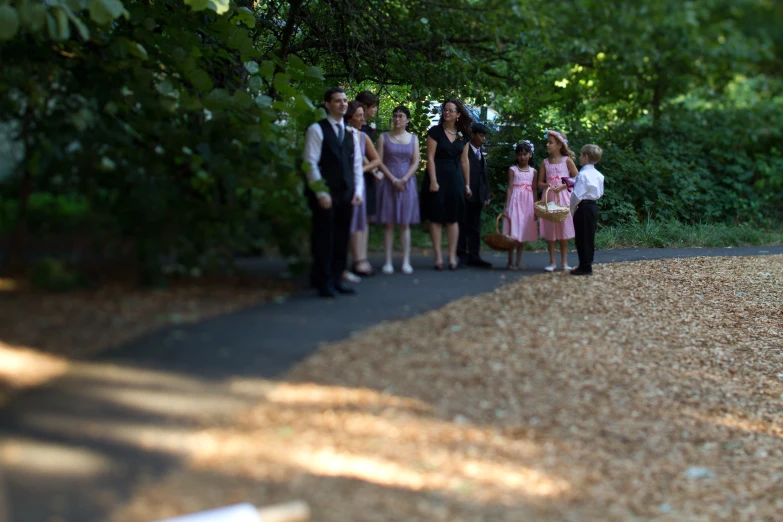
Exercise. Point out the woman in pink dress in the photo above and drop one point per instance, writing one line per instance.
(559, 164)
(519, 202)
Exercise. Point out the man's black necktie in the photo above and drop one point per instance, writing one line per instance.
(340, 131)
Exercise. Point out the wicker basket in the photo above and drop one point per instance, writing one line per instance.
(557, 215)
(499, 241)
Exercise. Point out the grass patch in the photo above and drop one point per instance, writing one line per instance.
(653, 234)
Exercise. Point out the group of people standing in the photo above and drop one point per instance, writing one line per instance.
(356, 176)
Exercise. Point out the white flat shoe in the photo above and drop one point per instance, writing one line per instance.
(550, 268)
(351, 277)
(387, 269)
(407, 269)
(568, 267)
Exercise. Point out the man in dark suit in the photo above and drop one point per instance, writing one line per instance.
(470, 229)
(335, 184)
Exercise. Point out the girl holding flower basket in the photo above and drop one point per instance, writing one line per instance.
(558, 165)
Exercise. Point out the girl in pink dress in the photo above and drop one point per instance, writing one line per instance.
(560, 164)
(519, 202)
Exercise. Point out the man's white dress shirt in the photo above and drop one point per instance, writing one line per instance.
(589, 184)
(312, 154)
(476, 151)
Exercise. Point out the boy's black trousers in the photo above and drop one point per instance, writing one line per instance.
(585, 220)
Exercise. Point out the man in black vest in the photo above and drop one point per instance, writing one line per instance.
(470, 229)
(335, 184)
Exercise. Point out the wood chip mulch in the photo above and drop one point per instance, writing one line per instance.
(650, 391)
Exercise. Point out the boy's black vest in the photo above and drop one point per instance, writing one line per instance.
(479, 184)
(336, 164)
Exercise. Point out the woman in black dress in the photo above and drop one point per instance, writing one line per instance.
(447, 183)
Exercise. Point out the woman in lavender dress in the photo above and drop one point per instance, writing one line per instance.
(398, 200)
(354, 117)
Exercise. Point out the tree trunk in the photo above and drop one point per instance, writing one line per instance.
(16, 250)
(17, 241)
(658, 91)
(290, 28)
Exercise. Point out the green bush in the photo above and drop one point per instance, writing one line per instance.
(52, 275)
(695, 167)
(47, 212)
(173, 133)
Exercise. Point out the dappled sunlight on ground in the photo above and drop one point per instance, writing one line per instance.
(22, 367)
(8, 284)
(151, 391)
(311, 394)
(622, 396)
(369, 445)
(381, 439)
(298, 433)
(41, 333)
(157, 438)
(660, 398)
(48, 459)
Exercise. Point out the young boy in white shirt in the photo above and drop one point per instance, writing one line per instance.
(588, 187)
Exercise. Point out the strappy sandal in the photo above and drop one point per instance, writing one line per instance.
(439, 267)
(363, 273)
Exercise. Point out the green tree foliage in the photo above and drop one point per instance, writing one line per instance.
(176, 127)
(685, 96)
(159, 114)
(460, 47)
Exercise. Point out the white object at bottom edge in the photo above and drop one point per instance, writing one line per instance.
(237, 513)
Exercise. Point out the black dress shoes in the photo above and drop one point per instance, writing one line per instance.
(345, 290)
(327, 291)
(479, 263)
(579, 272)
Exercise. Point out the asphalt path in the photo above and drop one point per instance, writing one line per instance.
(79, 447)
